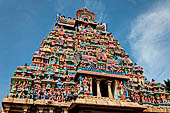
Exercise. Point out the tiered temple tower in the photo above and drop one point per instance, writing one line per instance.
(81, 68)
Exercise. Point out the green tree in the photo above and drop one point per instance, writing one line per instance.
(167, 85)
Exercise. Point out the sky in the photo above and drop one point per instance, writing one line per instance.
(141, 26)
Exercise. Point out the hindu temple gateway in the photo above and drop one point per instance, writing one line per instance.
(81, 68)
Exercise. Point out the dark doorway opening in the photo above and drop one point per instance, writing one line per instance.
(104, 88)
(94, 87)
(113, 88)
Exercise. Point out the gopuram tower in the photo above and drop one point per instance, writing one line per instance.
(81, 68)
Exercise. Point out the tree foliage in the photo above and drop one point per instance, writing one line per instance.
(167, 85)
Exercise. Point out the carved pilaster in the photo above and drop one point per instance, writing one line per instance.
(98, 87)
(109, 89)
(116, 85)
(91, 92)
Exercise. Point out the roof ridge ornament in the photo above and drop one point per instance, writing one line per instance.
(85, 15)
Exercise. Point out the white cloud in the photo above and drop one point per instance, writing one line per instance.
(150, 41)
(98, 8)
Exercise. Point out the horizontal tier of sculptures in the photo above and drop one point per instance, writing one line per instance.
(82, 44)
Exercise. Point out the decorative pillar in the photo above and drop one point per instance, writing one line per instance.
(91, 87)
(115, 92)
(109, 89)
(98, 87)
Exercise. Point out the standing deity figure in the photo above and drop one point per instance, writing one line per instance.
(121, 90)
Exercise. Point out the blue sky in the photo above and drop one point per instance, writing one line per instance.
(141, 26)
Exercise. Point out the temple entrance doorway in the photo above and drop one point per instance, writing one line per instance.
(104, 88)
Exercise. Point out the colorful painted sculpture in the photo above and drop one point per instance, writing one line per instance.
(71, 60)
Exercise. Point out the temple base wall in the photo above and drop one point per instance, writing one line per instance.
(83, 104)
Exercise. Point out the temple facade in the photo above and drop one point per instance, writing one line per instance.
(81, 68)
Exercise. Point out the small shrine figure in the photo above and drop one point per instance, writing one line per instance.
(149, 99)
(143, 98)
(121, 89)
(146, 99)
(158, 99)
(153, 100)
(59, 96)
